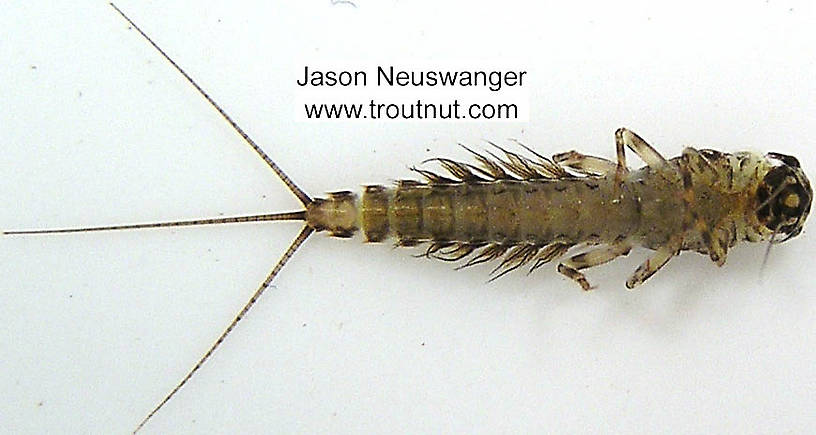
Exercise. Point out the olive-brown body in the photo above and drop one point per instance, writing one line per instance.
(704, 201)
(504, 211)
(646, 206)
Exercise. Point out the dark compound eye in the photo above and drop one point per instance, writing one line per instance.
(786, 201)
(786, 159)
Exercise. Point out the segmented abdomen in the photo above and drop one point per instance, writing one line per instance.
(510, 212)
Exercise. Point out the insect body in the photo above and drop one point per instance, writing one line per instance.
(520, 210)
(523, 210)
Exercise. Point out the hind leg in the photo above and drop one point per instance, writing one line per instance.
(584, 164)
(594, 257)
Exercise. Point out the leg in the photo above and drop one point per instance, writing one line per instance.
(594, 257)
(621, 170)
(651, 265)
(717, 247)
(696, 168)
(715, 240)
(586, 165)
(625, 137)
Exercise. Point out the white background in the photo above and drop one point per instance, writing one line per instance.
(96, 128)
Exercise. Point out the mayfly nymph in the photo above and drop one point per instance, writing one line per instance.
(524, 210)
(531, 210)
